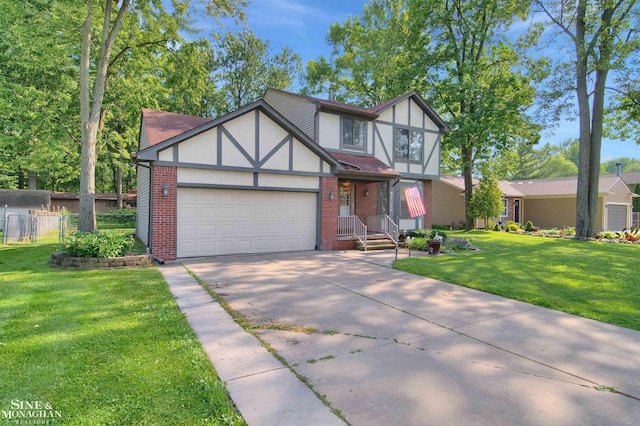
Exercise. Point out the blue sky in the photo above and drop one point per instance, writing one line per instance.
(303, 24)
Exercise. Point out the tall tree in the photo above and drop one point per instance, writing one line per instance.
(603, 34)
(486, 201)
(246, 67)
(636, 201)
(368, 58)
(475, 75)
(38, 80)
(94, 71)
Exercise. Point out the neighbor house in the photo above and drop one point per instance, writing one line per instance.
(548, 203)
(287, 172)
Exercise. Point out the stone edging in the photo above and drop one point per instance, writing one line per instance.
(61, 259)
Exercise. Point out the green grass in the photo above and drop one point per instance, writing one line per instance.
(102, 347)
(591, 279)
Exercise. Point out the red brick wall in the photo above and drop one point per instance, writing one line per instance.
(366, 205)
(329, 210)
(164, 214)
(427, 198)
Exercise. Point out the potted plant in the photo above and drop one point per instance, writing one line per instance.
(434, 244)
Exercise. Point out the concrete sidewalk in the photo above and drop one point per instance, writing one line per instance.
(398, 349)
(266, 392)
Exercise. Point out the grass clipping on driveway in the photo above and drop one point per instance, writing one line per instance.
(100, 347)
(591, 279)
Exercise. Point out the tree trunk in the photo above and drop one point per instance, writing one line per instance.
(32, 180)
(467, 172)
(90, 109)
(119, 187)
(584, 227)
(86, 205)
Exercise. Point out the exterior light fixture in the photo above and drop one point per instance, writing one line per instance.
(366, 192)
(331, 195)
(165, 189)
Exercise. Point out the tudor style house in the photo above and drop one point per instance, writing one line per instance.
(287, 172)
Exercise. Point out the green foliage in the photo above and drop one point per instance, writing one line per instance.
(419, 233)
(98, 244)
(458, 244)
(496, 227)
(529, 226)
(440, 232)
(512, 227)
(370, 56)
(428, 234)
(246, 67)
(486, 201)
(636, 201)
(418, 243)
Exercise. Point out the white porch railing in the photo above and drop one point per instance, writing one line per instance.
(383, 224)
(352, 226)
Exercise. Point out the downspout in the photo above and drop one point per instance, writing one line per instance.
(149, 204)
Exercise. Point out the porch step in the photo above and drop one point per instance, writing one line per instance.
(377, 244)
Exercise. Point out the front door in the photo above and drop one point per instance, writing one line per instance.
(516, 211)
(345, 199)
(383, 198)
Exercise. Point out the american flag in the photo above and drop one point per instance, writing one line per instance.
(414, 202)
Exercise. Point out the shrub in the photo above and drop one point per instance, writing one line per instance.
(608, 235)
(418, 243)
(418, 233)
(458, 244)
(529, 226)
(98, 244)
(513, 227)
(496, 227)
(440, 232)
(569, 231)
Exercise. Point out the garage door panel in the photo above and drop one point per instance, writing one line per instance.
(617, 217)
(237, 221)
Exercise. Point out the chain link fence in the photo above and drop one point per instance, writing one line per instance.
(20, 226)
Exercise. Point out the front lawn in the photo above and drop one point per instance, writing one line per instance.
(100, 347)
(591, 279)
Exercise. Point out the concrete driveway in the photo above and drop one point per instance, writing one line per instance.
(398, 349)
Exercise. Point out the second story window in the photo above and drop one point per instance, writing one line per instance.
(408, 144)
(354, 133)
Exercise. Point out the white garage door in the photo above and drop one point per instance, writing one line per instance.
(224, 221)
(616, 217)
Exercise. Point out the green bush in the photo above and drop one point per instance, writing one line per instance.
(98, 244)
(496, 227)
(418, 233)
(458, 244)
(512, 227)
(569, 231)
(418, 243)
(440, 232)
(427, 234)
(529, 226)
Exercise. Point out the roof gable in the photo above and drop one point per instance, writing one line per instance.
(414, 96)
(150, 153)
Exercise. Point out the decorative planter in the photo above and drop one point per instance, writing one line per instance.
(434, 246)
